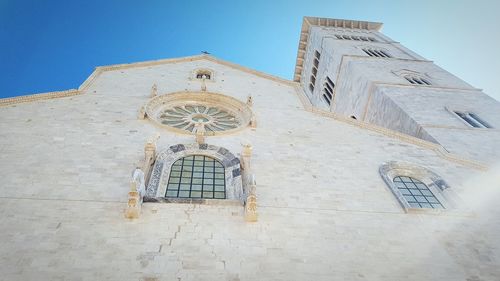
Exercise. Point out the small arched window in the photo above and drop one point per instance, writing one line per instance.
(196, 176)
(416, 193)
(203, 74)
(376, 53)
(415, 80)
(355, 38)
(328, 90)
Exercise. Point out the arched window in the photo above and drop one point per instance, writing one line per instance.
(196, 176)
(328, 90)
(416, 193)
(376, 53)
(355, 38)
(472, 119)
(203, 75)
(417, 188)
(415, 80)
(195, 173)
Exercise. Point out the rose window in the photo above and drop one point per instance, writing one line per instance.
(185, 117)
(183, 112)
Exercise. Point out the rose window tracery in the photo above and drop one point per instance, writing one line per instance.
(186, 112)
(185, 117)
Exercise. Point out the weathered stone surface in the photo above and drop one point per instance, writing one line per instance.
(324, 212)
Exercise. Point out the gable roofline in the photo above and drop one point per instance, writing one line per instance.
(100, 69)
(308, 22)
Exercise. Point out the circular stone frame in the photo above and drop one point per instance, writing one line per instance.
(158, 104)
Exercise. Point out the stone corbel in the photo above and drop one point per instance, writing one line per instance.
(246, 155)
(139, 179)
(249, 184)
(251, 201)
(135, 195)
(149, 155)
(253, 119)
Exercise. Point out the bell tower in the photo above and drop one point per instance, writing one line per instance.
(352, 69)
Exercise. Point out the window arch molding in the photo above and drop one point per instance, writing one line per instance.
(435, 183)
(160, 174)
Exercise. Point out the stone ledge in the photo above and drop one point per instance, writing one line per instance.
(200, 201)
(438, 149)
(38, 97)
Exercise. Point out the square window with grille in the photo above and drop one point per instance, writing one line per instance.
(197, 176)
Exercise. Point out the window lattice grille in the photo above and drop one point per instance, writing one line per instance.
(197, 176)
(416, 193)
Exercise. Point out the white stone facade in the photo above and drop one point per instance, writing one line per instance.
(324, 211)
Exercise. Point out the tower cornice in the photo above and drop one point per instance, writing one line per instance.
(308, 22)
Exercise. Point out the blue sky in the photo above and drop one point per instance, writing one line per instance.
(54, 45)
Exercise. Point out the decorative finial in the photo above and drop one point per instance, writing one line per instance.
(151, 142)
(154, 91)
(253, 121)
(142, 113)
(247, 149)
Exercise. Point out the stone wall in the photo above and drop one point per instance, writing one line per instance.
(324, 211)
